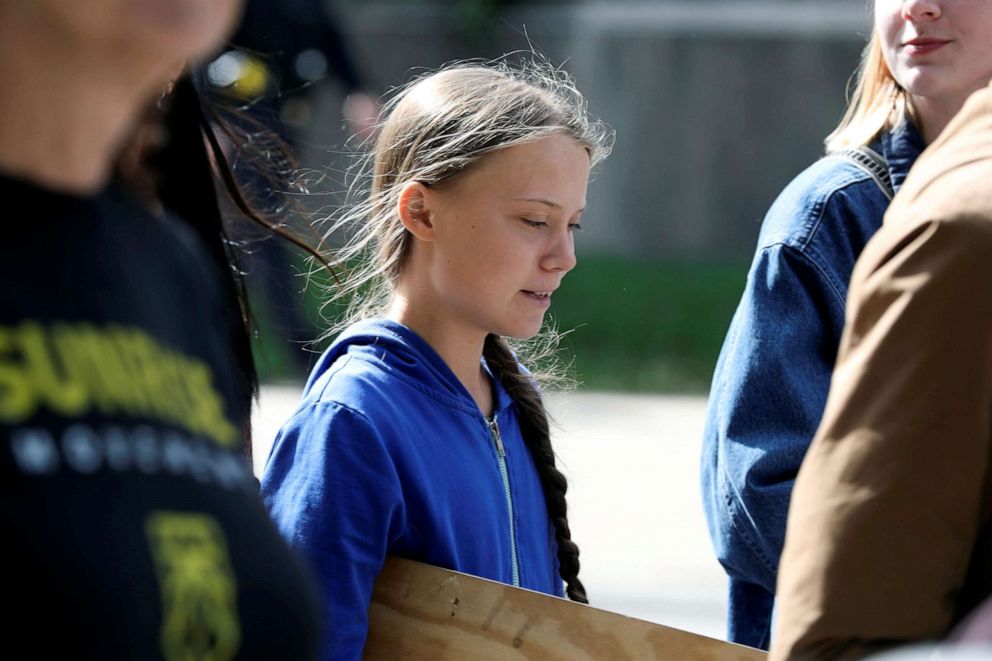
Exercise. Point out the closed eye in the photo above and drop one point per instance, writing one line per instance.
(575, 227)
(537, 224)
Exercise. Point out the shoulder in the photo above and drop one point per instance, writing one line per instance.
(355, 382)
(952, 175)
(962, 195)
(935, 266)
(831, 195)
(949, 188)
(956, 191)
(950, 244)
(367, 381)
(325, 418)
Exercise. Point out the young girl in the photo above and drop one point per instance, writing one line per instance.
(925, 57)
(419, 434)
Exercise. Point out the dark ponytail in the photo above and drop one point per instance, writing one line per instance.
(184, 173)
(184, 186)
(535, 429)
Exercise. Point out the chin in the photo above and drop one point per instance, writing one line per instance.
(924, 84)
(521, 332)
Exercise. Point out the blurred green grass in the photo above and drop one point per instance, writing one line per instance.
(647, 326)
(636, 326)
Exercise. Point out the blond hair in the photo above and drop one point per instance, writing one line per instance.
(877, 104)
(435, 127)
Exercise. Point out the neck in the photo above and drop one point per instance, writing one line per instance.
(69, 105)
(934, 115)
(460, 348)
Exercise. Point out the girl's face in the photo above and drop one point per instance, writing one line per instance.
(504, 236)
(937, 48)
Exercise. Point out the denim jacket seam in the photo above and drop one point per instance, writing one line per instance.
(813, 258)
(729, 494)
(804, 245)
(851, 179)
(800, 238)
(732, 500)
(813, 255)
(724, 485)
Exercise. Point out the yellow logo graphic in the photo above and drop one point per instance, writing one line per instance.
(199, 590)
(74, 368)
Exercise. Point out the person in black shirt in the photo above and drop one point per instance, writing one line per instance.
(130, 517)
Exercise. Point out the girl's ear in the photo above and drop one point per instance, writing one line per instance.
(415, 212)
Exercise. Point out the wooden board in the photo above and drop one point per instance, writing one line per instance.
(424, 612)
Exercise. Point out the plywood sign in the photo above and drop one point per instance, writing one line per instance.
(424, 612)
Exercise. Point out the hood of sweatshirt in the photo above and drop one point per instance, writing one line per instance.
(404, 355)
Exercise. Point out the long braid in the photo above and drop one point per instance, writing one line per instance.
(536, 433)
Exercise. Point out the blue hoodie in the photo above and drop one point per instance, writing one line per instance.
(389, 454)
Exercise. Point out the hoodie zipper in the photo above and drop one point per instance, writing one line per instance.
(493, 426)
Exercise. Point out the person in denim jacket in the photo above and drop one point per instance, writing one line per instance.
(772, 377)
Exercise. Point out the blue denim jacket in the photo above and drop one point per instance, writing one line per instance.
(773, 374)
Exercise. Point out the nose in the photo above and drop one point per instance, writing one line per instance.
(921, 10)
(560, 253)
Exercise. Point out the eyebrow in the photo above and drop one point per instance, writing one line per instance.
(541, 200)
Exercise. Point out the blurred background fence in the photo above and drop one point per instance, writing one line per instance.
(716, 105)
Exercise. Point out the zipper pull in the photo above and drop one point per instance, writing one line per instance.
(497, 439)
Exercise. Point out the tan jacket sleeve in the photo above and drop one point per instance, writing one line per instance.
(889, 500)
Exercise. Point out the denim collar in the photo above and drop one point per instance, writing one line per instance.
(900, 147)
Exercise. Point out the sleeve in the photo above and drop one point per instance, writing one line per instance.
(768, 393)
(887, 506)
(333, 491)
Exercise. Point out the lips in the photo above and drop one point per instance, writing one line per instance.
(924, 45)
(542, 298)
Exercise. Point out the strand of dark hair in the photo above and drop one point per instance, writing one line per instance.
(210, 123)
(213, 122)
(187, 168)
(184, 185)
(536, 432)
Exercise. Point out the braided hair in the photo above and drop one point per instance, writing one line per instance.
(535, 429)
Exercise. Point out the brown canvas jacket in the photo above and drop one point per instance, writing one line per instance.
(889, 538)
